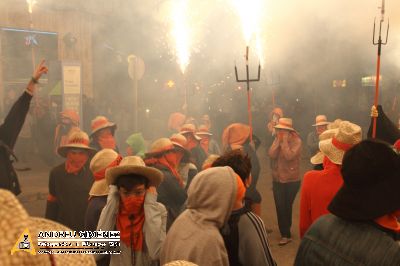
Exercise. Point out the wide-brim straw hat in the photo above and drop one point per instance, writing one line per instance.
(160, 147)
(319, 157)
(134, 165)
(179, 141)
(76, 140)
(371, 183)
(104, 159)
(285, 123)
(101, 122)
(189, 129)
(203, 131)
(14, 221)
(348, 135)
(321, 120)
(235, 135)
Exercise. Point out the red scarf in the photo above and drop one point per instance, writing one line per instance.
(164, 162)
(389, 221)
(131, 206)
(204, 143)
(106, 140)
(75, 162)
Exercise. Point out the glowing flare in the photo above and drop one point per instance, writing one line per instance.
(181, 33)
(31, 3)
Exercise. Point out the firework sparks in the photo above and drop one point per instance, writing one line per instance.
(31, 3)
(250, 13)
(181, 33)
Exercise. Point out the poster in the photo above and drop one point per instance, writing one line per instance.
(72, 87)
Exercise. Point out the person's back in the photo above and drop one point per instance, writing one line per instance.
(317, 191)
(246, 240)
(194, 236)
(335, 241)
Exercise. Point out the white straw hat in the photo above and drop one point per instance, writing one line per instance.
(319, 157)
(101, 122)
(76, 140)
(103, 160)
(321, 120)
(347, 136)
(189, 129)
(134, 165)
(285, 123)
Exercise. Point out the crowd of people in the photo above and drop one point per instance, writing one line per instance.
(186, 200)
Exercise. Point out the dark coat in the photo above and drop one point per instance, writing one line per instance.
(386, 130)
(69, 194)
(9, 132)
(95, 206)
(170, 194)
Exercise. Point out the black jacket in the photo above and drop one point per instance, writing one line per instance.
(9, 132)
(69, 194)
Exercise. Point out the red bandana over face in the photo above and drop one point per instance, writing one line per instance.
(130, 221)
(75, 162)
(106, 139)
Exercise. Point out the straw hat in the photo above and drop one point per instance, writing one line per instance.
(134, 165)
(76, 140)
(285, 123)
(203, 131)
(180, 263)
(159, 147)
(321, 120)
(14, 220)
(179, 141)
(71, 115)
(189, 129)
(101, 122)
(103, 160)
(335, 124)
(347, 136)
(235, 135)
(319, 157)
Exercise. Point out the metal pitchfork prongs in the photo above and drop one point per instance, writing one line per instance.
(247, 81)
(378, 65)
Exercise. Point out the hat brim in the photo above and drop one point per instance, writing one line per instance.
(334, 154)
(63, 150)
(366, 203)
(111, 125)
(321, 124)
(284, 127)
(99, 188)
(317, 158)
(154, 176)
(203, 134)
(187, 132)
(157, 153)
(181, 148)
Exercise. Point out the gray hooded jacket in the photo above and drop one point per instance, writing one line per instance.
(195, 235)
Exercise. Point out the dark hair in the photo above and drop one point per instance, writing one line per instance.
(131, 180)
(238, 161)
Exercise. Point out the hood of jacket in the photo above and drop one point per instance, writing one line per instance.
(212, 194)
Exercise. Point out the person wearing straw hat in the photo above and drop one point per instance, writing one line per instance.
(165, 156)
(102, 136)
(321, 124)
(103, 160)
(318, 158)
(69, 122)
(186, 169)
(237, 137)
(274, 116)
(14, 221)
(132, 209)
(198, 155)
(207, 143)
(285, 154)
(70, 182)
(195, 235)
(363, 227)
(319, 187)
(10, 129)
(136, 145)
